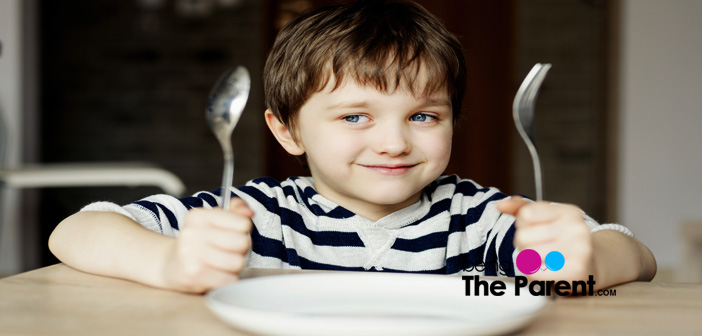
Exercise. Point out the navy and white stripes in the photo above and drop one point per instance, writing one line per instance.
(454, 227)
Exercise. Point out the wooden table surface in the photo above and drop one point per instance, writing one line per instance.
(58, 300)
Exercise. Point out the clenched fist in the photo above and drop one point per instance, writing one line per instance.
(546, 227)
(210, 250)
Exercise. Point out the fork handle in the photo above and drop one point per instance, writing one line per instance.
(538, 179)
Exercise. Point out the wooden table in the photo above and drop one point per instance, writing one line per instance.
(58, 300)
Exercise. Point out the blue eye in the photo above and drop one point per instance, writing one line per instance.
(355, 118)
(421, 117)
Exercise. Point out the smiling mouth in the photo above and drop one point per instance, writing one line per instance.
(390, 169)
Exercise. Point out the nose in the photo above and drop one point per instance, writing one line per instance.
(392, 140)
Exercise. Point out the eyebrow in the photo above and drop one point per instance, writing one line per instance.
(365, 104)
(348, 104)
(437, 102)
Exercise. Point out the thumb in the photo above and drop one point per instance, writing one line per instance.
(239, 207)
(511, 205)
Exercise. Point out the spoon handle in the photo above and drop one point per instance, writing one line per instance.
(227, 176)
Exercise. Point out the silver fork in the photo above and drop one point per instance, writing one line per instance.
(523, 113)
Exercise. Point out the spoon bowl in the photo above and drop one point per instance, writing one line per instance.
(224, 107)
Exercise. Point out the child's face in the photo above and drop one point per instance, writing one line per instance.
(374, 152)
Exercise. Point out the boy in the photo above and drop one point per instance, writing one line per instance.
(367, 95)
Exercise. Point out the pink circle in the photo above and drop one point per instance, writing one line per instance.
(528, 261)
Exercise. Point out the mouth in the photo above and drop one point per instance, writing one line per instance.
(387, 169)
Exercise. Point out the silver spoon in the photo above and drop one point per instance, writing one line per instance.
(226, 102)
(523, 113)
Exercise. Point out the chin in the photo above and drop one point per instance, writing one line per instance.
(390, 196)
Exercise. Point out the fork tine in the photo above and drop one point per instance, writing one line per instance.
(526, 96)
(523, 113)
(534, 86)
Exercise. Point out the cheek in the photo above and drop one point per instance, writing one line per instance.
(327, 147)
(437, 145)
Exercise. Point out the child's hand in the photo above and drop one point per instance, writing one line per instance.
(210, 250)
(546, 227)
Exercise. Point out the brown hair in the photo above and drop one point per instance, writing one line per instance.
(377, 42)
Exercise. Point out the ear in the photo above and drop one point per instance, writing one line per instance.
(283, 135)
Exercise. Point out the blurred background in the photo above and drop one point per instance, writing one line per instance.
(617, 119)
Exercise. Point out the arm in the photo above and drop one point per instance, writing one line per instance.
(111, 244)
(620, 259)
(611, 257)
(209, 252)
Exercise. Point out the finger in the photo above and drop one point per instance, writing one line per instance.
(222, 260)
(188, 272)
(229, 241)
(210, 279)
(239, 207)
(219, 279)
(540, 213)
(511, 205)
(537, 213)
(530, 237)
(218, 218)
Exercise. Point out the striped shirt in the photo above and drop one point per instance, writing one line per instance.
(454, 228)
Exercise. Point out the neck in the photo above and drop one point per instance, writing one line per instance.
(371, 211)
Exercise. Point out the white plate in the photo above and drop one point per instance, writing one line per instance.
(358, 303)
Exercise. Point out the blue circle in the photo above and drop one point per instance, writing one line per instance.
(554, 261)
